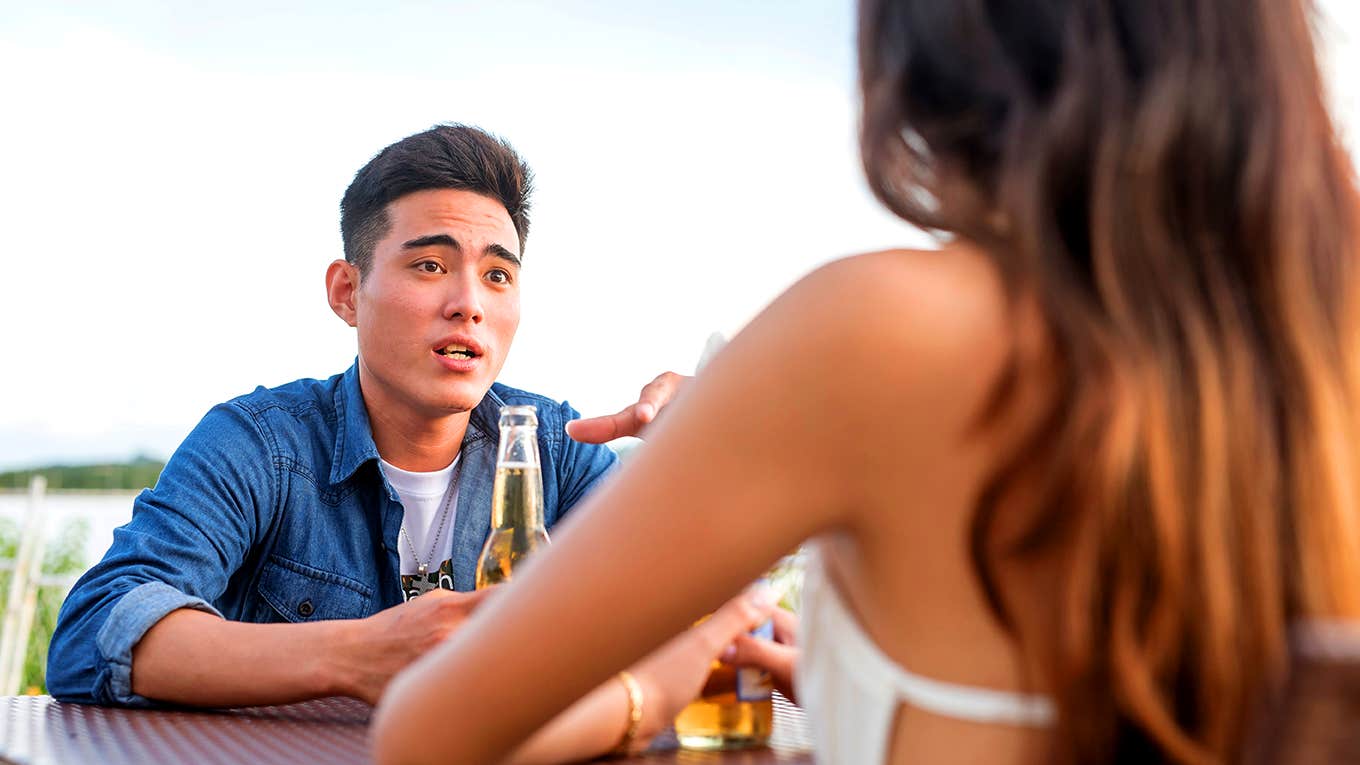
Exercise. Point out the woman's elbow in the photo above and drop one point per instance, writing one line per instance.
(400, 738)
(388, 743)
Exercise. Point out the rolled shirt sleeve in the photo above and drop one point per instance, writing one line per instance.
(187, 537)
(129, 619)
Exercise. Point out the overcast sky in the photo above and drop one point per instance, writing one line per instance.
(172, 173)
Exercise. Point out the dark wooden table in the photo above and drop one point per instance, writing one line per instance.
(37, 730)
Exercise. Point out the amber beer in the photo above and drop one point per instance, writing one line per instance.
(734, 710)
(516, 498)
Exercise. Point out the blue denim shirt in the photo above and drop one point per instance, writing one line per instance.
(274, 510)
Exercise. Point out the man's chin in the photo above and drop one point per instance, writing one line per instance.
(464, 398)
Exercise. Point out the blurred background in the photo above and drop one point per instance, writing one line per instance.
(173, 174)
(173, 170)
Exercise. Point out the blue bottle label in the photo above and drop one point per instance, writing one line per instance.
(754, 684)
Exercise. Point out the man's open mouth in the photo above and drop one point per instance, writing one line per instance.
(456, 351)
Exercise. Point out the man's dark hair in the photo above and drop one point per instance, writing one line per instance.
(443, 157)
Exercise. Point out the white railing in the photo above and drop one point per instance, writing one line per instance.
(20, 606)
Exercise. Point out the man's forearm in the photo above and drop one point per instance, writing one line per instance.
(198, 659)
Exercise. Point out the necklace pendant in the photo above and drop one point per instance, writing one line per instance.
(417, 584)
(422, 584)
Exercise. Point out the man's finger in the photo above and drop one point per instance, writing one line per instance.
(598, 430)
(657, 394)
(630, 420)
(477, 596)
(438, 594)
(462, 600)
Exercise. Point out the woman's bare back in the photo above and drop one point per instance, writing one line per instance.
(906, 573)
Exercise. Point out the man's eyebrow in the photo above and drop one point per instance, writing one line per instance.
(432, 240)
(502, 253)
(444, 240)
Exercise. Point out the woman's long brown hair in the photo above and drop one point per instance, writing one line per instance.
(1163, 179)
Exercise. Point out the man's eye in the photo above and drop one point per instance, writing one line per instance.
(429, 267)
(499, 276)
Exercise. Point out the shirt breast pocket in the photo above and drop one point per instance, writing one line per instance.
(301, 593)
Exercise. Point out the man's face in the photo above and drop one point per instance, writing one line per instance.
(439, 306)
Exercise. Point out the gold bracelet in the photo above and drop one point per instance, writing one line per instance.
(634, 714)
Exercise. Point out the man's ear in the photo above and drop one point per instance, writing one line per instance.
(342, 288)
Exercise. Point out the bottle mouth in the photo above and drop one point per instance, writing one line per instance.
(519, 416)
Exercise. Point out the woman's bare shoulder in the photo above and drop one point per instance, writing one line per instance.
(912, 341)
(946, 309)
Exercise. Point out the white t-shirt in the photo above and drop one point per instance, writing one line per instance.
(430, 502)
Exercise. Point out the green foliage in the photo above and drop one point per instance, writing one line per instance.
(786, 577)
(65, 557)
(140, 473)
(9, 542)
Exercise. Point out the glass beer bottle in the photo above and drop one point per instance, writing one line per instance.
(734, 710)
(516, 498)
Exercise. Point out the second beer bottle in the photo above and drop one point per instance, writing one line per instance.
(516, 499)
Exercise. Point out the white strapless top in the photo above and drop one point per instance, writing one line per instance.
(851, 690)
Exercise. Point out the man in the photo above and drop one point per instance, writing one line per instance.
(279, 554)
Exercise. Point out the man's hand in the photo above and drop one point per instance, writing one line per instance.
(383, 644)
(630, 420)
(200, 659)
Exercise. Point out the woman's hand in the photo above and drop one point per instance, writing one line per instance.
(776, 656)
(672, 675)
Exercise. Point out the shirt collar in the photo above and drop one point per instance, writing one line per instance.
(485, 421)
(354, 435)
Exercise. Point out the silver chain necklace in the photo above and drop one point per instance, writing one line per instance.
(421, 582)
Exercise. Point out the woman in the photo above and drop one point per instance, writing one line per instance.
(1071, 479)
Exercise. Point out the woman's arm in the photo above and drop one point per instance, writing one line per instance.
(670, 678)
(771, 445)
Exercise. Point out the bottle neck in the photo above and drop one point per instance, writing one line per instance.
(518, 446)
(517, 497)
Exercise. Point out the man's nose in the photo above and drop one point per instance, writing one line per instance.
(464, 300)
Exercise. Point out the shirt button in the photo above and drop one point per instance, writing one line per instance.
(305, 608)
